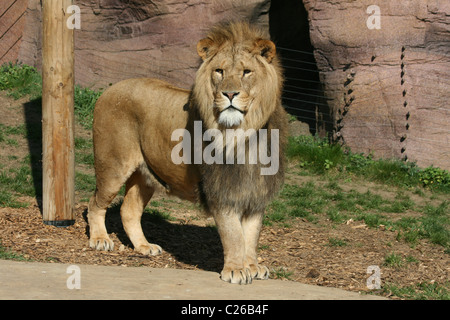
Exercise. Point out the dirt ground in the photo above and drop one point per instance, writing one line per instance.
(300, 252)
(191, 243)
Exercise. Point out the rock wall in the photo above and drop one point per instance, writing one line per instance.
(121, 39)
(387, 75)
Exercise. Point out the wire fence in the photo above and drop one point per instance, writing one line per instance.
(305, 97)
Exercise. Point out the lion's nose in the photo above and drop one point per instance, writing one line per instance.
(230, 94)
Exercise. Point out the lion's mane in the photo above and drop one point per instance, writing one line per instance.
(228, 186)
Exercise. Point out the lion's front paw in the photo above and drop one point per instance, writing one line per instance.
(236, 275)
(259, 272)
(149, 249)
(101, 243)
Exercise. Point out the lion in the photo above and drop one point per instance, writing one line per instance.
(237, 86)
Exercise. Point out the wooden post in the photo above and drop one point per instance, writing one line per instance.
(57, 115)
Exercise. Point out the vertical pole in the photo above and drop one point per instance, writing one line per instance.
(57, 115)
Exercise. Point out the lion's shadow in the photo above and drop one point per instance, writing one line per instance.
(190, 244)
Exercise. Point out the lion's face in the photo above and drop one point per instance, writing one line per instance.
(238, 84)
(232, 83)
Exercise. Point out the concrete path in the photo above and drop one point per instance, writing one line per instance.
(32, 280)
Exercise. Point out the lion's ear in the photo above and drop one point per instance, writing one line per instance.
(266, 48)
(203, 47)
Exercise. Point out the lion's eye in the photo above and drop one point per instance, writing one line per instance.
(219, 71)
(247, 71)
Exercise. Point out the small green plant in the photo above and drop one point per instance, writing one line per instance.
(336, 242)
(292, 118)
(357, 161)
(316, 154)
(373, 220)
(85, 158)
(281, 273)
(432, 177)
(328, 164)
(392, 172)
(336, 215)
(393, 260)
(7, 199)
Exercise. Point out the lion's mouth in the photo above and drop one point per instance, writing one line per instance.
(232, 108)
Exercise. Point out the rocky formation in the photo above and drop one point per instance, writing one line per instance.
(386, 71)
(121, 39)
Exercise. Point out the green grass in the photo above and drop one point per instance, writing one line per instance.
(320, 157)
(433, 225)
(7, 134)
(315, 154)
(420, 291)
(6, 254)
(335, 163)
(85, 100)
(8, 199)
(15, 182)
(82, 143)
(84, 185)
(297, 202)
(20, 80)
(310, 201)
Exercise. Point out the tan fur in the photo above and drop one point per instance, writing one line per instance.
(133, 124)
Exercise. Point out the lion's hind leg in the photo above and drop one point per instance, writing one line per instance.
(137, 195)
(108, 186)
(98, 235)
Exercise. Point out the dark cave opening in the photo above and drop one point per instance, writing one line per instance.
(303, 96)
